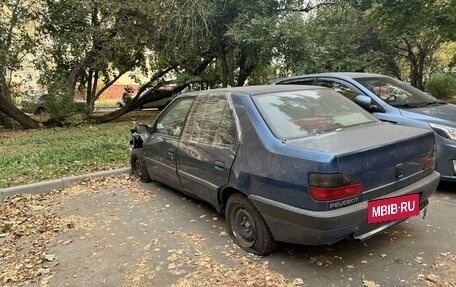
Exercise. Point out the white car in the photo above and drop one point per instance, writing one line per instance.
(159, 104)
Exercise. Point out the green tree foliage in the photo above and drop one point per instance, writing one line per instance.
(245, 34)
(93, 43)
(228, 45)
(59, 102)
(327, 40)
(89, 44)
(445, 18)
(411, 28)
(442, 85)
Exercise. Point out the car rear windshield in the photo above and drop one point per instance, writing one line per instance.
(304, 113)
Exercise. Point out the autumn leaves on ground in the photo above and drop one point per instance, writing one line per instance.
(115, 232)
(37, 230)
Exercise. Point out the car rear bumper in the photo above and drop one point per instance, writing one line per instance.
(295, 225)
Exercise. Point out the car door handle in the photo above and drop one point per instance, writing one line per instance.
(171, 153)
(219, 165)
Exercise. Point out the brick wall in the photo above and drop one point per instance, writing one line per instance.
(116, 91)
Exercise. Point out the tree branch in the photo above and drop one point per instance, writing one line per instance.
(309, 7)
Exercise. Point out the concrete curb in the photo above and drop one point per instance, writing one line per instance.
(61, 183)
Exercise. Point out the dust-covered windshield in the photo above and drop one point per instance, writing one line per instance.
(397, 93)
(309, 112)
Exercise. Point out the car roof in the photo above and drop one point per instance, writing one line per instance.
(260, 89)
(353, 75)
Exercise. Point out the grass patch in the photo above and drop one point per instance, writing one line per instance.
(37, 155)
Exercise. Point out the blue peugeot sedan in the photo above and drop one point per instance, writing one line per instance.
(288, 163)
(391, 100)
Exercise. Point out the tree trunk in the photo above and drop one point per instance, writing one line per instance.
(414, 75)
(420, 67)
(5, 121)
(230, 63)
(154, 94)
(150, 97)
(11, 111)
(416, 64)
(245, 70)
(92, 94)
(224, 67)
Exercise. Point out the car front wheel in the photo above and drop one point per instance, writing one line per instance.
(138, 166)
(247, 227)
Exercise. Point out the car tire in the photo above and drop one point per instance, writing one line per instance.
(138, 166)
(247, 227)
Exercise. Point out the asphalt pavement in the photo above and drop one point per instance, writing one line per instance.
(120, 232)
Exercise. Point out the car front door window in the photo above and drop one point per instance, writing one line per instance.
(345, 90)
(172, 121)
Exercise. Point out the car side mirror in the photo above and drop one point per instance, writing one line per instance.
(140, 129)
(366, 103)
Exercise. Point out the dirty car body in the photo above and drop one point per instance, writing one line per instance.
(285, 163)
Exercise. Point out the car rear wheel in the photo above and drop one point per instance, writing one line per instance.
(138, 166)
(247, 227)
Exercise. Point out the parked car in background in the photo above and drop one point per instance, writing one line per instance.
(393, 101)
(159, 104)
(38, 105)
(288, 163)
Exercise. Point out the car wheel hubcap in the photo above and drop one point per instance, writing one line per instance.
(138, 167)
(245, 227)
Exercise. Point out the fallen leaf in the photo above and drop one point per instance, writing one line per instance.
(49, 257)
(368, 283)
(432, 278)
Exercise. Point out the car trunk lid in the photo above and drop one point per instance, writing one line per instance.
(382, 157)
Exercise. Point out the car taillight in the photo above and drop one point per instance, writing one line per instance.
(431, 159)
(326, 187)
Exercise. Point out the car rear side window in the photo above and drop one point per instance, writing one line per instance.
(210, 121)
(309, 112)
